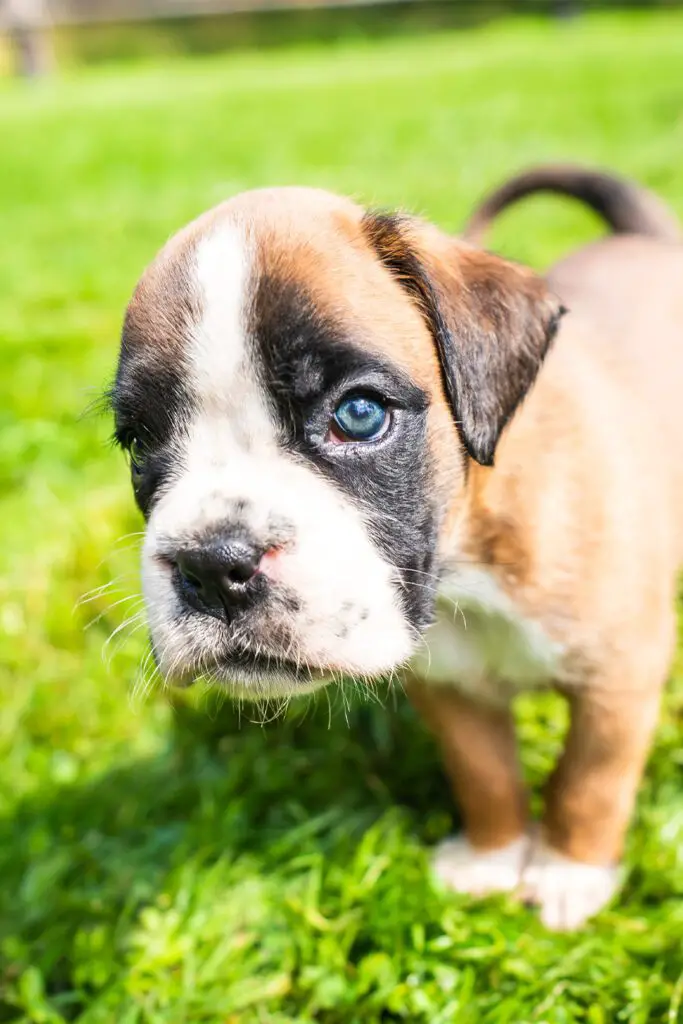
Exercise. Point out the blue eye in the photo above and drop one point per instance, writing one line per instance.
(361, 418)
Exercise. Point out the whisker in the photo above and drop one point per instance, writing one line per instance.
(113, 552)
(110, 608)
(91, 595)
(142, 683)
(127, 536)
(124, 639)
(137, 619)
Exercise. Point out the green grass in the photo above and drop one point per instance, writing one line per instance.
(161, 861)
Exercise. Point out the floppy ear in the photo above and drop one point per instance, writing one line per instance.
(492, 321)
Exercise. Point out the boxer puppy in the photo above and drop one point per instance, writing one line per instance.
(361, 451)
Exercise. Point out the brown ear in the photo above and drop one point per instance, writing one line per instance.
(492, 321)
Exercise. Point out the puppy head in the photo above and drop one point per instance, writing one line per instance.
(300, 387)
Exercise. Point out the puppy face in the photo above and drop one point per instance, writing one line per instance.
(286, 390)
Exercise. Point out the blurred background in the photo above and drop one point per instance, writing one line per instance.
(43, 34)
(166, 857)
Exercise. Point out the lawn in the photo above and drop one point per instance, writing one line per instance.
(163, 859)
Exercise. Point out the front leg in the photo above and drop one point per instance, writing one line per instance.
(574, 870)
(480, 755)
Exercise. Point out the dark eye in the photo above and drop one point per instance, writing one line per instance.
(360, 418)
(135, 457)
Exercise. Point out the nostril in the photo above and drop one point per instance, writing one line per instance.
(190, 579)
(240, 572)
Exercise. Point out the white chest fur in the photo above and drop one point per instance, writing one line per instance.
(482, 643)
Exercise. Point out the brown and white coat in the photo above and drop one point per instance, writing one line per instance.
(512, 524)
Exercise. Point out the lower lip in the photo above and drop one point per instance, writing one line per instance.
(269, 667)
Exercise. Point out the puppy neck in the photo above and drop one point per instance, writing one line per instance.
(482, 524)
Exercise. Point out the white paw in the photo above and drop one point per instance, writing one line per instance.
(459, 866)
(567, 891)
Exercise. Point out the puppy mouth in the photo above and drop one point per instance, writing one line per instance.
(257, 666)
(254, 674)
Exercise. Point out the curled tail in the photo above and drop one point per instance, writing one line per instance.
(627, 208)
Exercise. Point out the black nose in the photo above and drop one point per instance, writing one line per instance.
(221, 577)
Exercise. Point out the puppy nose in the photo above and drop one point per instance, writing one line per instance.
(220, 577)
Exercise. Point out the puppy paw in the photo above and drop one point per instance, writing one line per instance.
(567, 891)
(459, 866)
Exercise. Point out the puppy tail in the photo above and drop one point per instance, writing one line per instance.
(627, 208)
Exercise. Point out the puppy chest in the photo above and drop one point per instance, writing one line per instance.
(482, 642)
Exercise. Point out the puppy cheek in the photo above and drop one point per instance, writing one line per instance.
(349, 612)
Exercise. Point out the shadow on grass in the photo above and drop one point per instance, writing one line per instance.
(280, 867)
(76, 859)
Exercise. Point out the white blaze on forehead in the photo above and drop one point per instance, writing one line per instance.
(233, 407)
(222, 268)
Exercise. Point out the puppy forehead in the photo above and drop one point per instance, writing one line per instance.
(168, 285)
(296, 242)
(314, 249)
